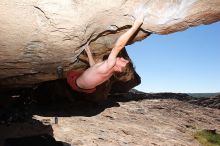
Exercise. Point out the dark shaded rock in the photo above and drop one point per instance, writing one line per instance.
(212, 102)
(38, 140)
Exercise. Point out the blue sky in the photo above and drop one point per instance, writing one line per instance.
(187, 61)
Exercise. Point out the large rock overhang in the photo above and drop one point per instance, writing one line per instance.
(38, 36)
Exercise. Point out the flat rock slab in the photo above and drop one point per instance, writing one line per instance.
(147, 122)
(152, 122)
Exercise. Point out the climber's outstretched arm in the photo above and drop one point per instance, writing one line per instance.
(123, 39)
(89, 54)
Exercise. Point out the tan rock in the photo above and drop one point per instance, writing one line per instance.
(38, 36)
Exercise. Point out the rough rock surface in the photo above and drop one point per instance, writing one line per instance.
(135, 119)
(213, 102)
(37, 36)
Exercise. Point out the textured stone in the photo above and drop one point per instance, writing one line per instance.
(135, 118)
(37, 36)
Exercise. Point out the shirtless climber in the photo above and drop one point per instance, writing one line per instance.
(100, 72)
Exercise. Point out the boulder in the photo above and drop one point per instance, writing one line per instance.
(37, 36)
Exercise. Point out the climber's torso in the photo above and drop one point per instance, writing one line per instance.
(99, 73)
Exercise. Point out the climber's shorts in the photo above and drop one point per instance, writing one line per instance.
(71, 80)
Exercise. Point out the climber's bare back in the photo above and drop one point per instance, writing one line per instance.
(99, 73)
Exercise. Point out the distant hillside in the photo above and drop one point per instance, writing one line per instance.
(203, 94)
(190, 94)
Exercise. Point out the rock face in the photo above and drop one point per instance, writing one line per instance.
(137, 119)
(212, 102)
(37, 36)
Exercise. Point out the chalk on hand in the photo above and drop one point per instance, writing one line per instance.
(140, 10)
